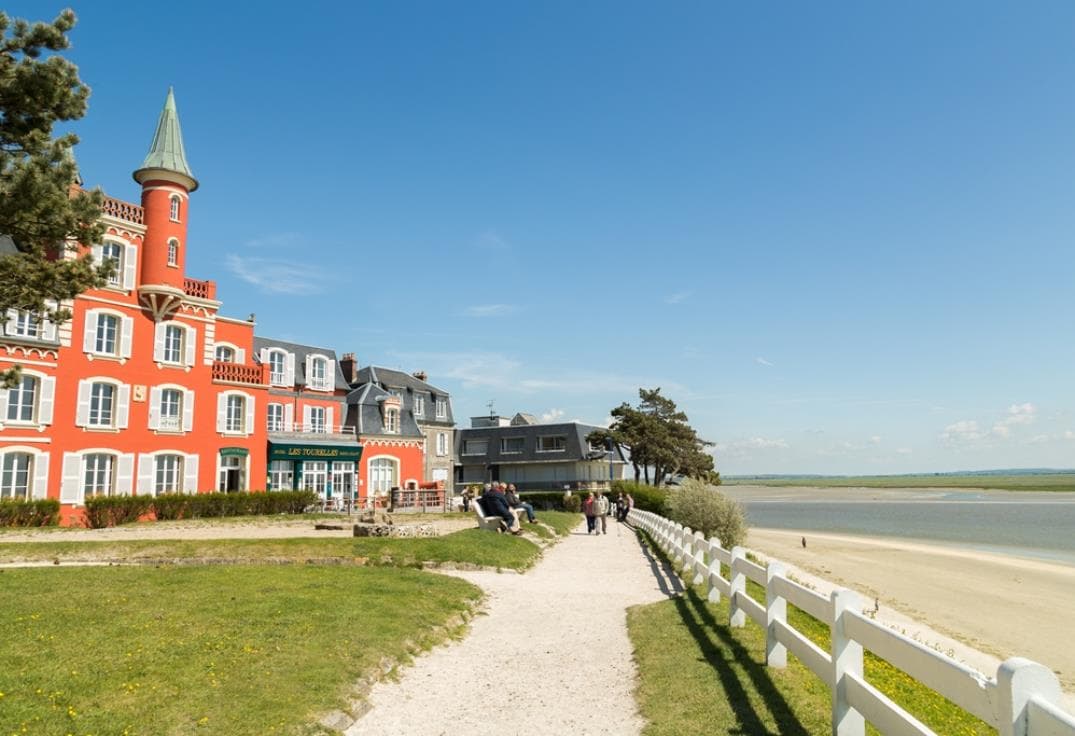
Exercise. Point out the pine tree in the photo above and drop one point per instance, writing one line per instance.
(42, 210)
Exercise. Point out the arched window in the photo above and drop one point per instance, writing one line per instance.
(173, 344)
(113, 252)
(22, 399)
(225, 354)
(277, 360)
(168, 474)
(16, 472)
(173, 251)
(106, 342)
(384, 474)
(102, 405)
(173, 210)
(235, 414)
(319, 373)
(98, 476)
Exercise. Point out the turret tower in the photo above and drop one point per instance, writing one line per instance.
(167, 182)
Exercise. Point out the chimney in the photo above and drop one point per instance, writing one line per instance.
(349, 366)
(420, 375)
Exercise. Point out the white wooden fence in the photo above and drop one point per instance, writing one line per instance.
(1023, 699)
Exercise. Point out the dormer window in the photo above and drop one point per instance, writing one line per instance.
(173, 211)
(391, 420)
(277, 361)
(173, 251)
(318, 373)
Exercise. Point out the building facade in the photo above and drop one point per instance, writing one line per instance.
(534, 456)
(148, 388)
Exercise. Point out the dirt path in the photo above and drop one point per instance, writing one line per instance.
(552, 651)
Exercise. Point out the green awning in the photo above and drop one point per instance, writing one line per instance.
(315, 451)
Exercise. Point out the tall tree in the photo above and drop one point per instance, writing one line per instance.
(42, 210)
(659, 438)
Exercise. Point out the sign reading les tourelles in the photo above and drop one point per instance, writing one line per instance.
(314, 452)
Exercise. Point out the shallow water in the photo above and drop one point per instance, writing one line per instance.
(1040, 529)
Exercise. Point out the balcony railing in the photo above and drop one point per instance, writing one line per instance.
(255, 375)
(312, 428)
(170, 424)
(199, 289)
(123, 210)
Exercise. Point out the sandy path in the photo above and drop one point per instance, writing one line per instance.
(552, 651)
(1003, 606)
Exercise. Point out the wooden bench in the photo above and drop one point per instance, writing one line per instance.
(495, 523)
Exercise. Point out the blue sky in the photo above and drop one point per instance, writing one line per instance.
(839, 235)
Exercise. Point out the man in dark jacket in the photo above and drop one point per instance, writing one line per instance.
(495, 504)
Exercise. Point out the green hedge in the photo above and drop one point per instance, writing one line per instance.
(45, 512)
(647, 498)
(112, 510)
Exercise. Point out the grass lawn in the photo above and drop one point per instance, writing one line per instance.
(470, 546)
(562, 522)
(1042, 482)
(244, 649)
(698, 675)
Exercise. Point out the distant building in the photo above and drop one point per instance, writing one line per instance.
(533, 456)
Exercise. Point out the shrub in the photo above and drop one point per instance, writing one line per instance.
(647, 498)
(103, 511)
(43, 512)
(705, 509)
(572, 503)
(172, 506)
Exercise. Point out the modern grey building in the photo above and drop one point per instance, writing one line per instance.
(533, 456)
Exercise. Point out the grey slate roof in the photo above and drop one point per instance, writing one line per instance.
(301, 351)
(386, 378)
(364, 411)
(576, 447)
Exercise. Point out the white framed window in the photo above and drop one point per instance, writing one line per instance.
(317, 368)
(442, 408)
(107, 340)
(98, 474)
(442, 444)
(236, 414)
(343, 480)
(512, 445)
(276, 418)
(108, 334)
(419, 405)
(391, 421)
(174, 208)
(320, 372)
(224, 354)
(171, 409)
(23, 323)
(171, 416)
(173, 343)
(280, 475)
(168, 474)
(314, 477)
(124, 259)
(278, 368)
(113, 253)
(552, 443)
(317, 420)
(383, 474)
(173, 251)
(476, 447)
(22, 400)
(103, 404)
(16, 475)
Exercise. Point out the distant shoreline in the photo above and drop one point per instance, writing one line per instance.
(1059, 482)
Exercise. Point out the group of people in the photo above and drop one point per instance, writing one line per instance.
(500, 499)
(596, 508)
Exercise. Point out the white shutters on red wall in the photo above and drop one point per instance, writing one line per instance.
(71, 479)
(158, 342)
(329, 419)
(289, 369)
(289, 417)
(82, 411)
(249, 426)
(41, 475)
(155, 407)
(125, 474)
(221, 412)
(190, 344)
(126, 336)
(123, 406)
(190, 474)
(188, 410)
(89, 332)
(146, 472)
(130, 263)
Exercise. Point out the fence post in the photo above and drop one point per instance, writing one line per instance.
(680, 533)
(1019, 680)
(714, 569)
(737, 617)
(699, 558)
(846, 659)
(776, 609)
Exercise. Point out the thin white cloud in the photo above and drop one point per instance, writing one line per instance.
(552, 415)
(489, 310)
(904, 450)
(1069, 434)
(679, 297)
(961, 432)
(491, 240)
(875, 440)
(744, 447)
(277, 276)
(762, 361)
(1037, 439)
(968, 431)
(277, 240)
(1018, 414)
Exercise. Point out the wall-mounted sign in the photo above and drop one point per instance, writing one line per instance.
(234, 452)
(279, 451)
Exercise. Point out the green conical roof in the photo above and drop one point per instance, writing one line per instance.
(166, 150)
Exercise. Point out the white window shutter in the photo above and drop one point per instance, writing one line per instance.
(190, 343)
(289, 417)
(330, 375)
(240, 356)
(158, 342)
(263, 356)
(123, 406)
(146, 474)
(71, 480)
(3, 405)
(190, 474)
(98, 254)
(89, 334)
(46, 401)
(41, 475)
(188, 410)
(126, 336)
(9, 322)
(130, 263)
(155, 407)
(48, 329)
(221, 412)
(289, 369)
(125, 474)
(249, 426)
(307, 372)
(306, 418)
(82, 412)
(329, 419)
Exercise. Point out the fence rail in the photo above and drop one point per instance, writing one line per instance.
(1022, 699)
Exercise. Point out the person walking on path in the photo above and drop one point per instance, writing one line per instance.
(588, 510)
(600, 512)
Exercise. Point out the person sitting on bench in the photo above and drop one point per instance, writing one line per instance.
(516, 503)
(495, 504)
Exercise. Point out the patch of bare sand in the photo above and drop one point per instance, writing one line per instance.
(982, 607)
